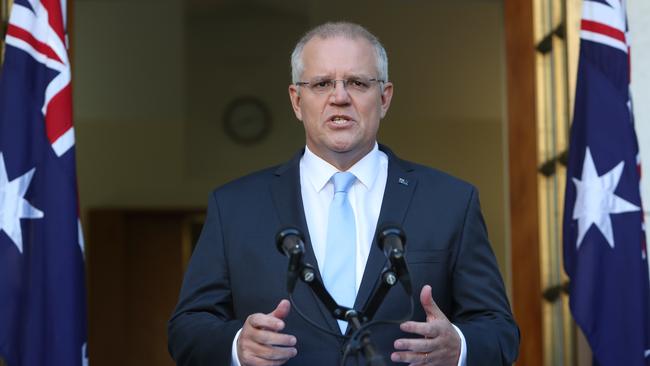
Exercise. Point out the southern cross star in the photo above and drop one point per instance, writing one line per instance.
(13, 205)
(596, 200)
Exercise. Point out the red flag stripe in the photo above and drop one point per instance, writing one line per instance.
(55, 17)
(603, 29)
(58, 117)
(39, 46)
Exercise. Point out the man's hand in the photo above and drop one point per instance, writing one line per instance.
(261, 344)
(441, 342)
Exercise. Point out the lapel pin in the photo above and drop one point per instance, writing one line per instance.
(403, 181)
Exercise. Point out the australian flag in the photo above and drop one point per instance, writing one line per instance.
(604, 239)
(42, 288)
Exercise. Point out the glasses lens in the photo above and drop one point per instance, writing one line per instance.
(321, 86)
(358, 84)
(352, 85)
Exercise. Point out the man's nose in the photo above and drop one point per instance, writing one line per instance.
(340, 93)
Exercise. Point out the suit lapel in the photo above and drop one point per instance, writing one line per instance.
(400, 186)
(285, 189)
(287, 198)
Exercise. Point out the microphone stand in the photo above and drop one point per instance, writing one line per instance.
(354, 318)
(290, 243)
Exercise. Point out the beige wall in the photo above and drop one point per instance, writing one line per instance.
(152, 80)
(129, 103)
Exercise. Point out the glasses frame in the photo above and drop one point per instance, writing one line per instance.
(334, 83)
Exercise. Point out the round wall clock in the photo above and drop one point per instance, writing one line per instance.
(247, 120)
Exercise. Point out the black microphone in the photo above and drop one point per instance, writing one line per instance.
(290, 242)
(391, 241)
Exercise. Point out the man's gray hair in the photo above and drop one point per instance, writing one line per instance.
(339, 29)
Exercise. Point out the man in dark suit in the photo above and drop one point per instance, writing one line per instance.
(233, 308)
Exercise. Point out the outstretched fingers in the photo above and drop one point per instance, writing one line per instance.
(260, 342)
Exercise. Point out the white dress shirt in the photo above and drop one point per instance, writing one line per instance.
(366, 196)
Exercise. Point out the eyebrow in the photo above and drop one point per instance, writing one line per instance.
(346, 77)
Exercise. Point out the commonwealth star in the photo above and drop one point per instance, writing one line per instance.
(13, 205)
(596, 200)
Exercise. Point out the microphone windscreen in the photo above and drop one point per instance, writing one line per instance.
(389, 232)
(288, 240)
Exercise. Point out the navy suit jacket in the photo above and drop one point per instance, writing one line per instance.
(236, 270)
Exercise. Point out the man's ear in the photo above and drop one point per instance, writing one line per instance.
(386, 97)
(294, 95)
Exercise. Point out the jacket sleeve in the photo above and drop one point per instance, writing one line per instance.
(481, 308)
(202, 327)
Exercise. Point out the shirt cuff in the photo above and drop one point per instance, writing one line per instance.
(461, 359)
(235, 358)
(463, 348)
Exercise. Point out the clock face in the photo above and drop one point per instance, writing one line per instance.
(247, 120)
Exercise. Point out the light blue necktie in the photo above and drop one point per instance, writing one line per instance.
(339, 274)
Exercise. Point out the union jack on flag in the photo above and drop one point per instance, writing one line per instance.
(604, 239)
(42, 288)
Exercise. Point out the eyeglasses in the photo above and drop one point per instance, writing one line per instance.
(351, 85)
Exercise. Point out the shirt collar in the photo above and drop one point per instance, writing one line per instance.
(318, 172)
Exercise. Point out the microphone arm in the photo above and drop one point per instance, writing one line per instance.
(392, 241)
(290, 242)
(308, 276)
(388, 280)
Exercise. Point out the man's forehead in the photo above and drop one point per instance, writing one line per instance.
(339, 53)
(320, 41)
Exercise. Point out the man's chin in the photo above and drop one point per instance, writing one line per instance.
(342, 148)
(349, 150)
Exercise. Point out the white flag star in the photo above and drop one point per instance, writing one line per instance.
(596, 200)
(13, 205)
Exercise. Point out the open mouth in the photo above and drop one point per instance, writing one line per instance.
(340, 120)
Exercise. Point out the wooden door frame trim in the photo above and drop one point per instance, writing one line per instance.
(522, 161)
